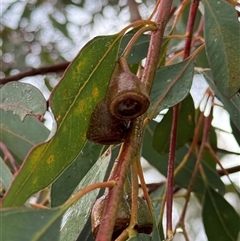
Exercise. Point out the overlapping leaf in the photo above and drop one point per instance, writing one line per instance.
(161, 137)
(73, 100)
(6, 176)
(20, 136)
(232, 105)
(77, 215)
(219, 215)
(171, 85)
(64, 186)
(41, 225)
(222, 38)
(22, 99)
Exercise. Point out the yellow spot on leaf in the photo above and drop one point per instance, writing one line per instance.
(95, 92)
(50, 159)
(81, 105)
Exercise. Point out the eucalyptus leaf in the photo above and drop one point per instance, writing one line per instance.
(232, 105)
(220, 220)
(64, 186)
(185, 132)
(30, 224)
(222, 38)
(20, 136)
(22, 99)
(6, 177)
(77, 215)
(171, 85)
(72, 101)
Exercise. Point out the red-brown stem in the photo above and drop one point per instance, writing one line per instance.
(190, 25)
(9, 156)
(134, 194)
(129, 151)
(170, 174)
(162, 16)
(172, 150)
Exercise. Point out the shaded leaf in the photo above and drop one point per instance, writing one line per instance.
(22, 99)
(171, 85)
(220, 220)
(6, 176)
(158, 233)
(86, 234)
(20, 136)
(73, 100)
(77, 215)
(148, 152)
(64, 186)
(44, 225)
(232, 105)
(30, 224)
(185, 132)
(222, 37)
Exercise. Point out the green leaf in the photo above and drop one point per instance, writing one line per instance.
(22, 99)
(64, 186)
(20, 136)
(185, 132)
(148, 152)
(77, 215)
(220, 220)
(6, 176)
(86, 234)
(171, 85)
(73, 100)
(222, 38)
(232, 105)
(157, 233)
(30, 224)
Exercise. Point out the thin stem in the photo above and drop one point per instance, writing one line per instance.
(170, 173)
(134, 195)
(190, 25)
(207, 126)
(129, 151)
(136, 36)
(9, 156)
(223, 171)
(144, 187)
(82, 192)
(39, 71)
(193, 144)
(179, 13)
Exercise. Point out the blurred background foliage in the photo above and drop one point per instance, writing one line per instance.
(39, 33)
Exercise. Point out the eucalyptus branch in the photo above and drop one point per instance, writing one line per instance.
(162, 14)
(207, 126)
(129, 151)
(39, 71)
(170, 172)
